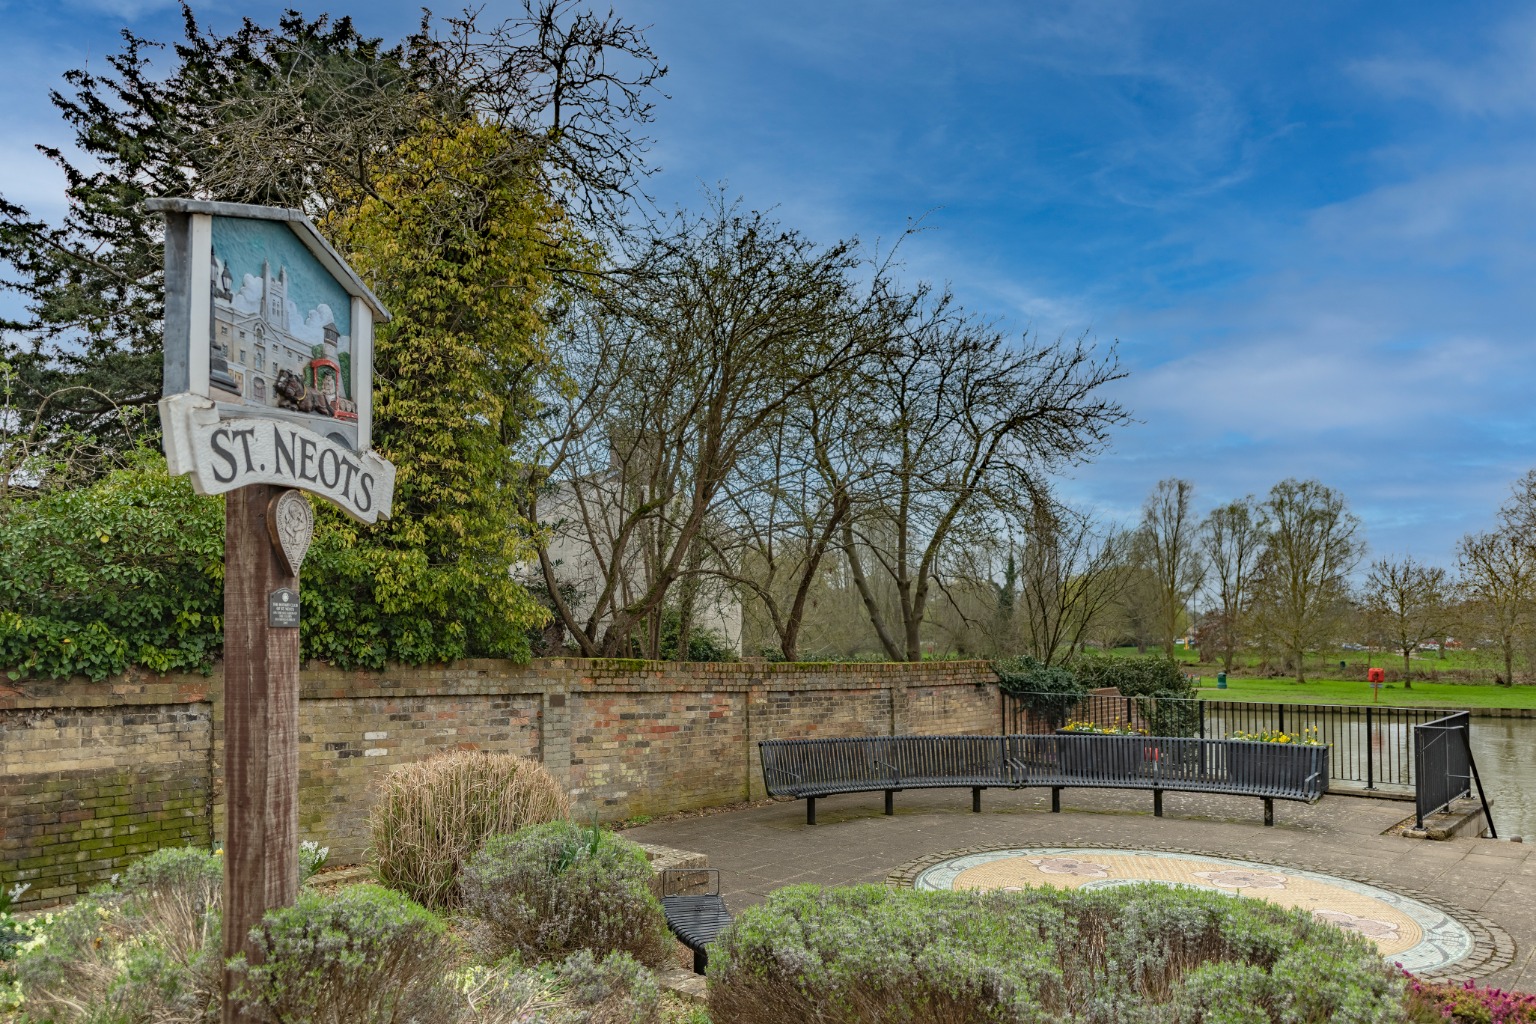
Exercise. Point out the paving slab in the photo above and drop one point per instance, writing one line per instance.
(1489, 885)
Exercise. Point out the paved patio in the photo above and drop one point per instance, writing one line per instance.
(1488, 885)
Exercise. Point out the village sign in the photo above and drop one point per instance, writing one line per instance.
(268, 357)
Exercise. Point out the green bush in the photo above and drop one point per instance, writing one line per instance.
(1135, 954)
(141, 952)
(366, 955)
(549, 890)
(1149, 676)
(1051, 692)
(128, 571)
(436, 812)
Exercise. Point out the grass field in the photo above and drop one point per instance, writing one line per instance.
(1334, 691)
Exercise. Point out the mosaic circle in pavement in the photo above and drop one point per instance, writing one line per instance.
(1419, 937)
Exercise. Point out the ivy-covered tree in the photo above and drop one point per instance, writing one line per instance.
(460, 248)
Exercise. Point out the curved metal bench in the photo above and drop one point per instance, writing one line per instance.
(696, 918)
(808, 769)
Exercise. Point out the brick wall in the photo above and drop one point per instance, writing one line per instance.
(94, 775)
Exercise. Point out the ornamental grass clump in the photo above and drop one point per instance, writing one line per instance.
(433, 814)
(1132, 955)
(549, 890)
(366, 955)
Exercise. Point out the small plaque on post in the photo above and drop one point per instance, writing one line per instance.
(283, 609)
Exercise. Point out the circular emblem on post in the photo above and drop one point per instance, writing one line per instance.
(291, 522)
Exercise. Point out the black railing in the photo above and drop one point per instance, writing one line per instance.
(1444, 770)
(1368, 743)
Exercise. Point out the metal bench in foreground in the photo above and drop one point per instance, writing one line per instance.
(696, 918)
(808, 769)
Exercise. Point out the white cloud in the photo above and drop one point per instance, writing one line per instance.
(126, 10)
(1502, 83)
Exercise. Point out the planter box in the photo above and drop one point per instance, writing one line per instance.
(1258, 766)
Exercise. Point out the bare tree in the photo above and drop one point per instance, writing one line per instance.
(1234, 537)
(679, 370)
(1069, 574)
(1411, 603)
(785, 512)
(1168, 537)
(963, 427)
(1498, 572)
(1302, 578)
(313, 114)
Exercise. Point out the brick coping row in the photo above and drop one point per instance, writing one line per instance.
(1492, 947)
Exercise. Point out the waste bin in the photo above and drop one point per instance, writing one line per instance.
(1221, 680)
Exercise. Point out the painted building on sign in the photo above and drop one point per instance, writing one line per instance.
(279, 338)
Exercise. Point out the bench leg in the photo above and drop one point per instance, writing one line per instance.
(890, 801)
(700, 960)
(1269, 810)
(1055, 799)
(1157, 803)
(975, 799)
(810, 810)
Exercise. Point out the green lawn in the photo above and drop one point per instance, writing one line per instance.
(1335, 691)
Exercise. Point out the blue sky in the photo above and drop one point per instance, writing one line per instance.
(1311, 227)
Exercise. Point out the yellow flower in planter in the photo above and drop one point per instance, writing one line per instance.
(1308, 737)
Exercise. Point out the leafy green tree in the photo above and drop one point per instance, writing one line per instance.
(88, 347)
(445, 168)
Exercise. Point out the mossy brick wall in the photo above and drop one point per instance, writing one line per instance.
(94, 775)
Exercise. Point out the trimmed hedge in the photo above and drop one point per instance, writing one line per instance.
(1132, 955)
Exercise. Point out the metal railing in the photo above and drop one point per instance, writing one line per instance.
(1368, 743)
(1444, 770)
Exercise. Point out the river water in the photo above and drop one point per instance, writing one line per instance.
(1504, 750)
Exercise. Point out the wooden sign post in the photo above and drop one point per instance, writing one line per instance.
(261, 727)
(268, 392)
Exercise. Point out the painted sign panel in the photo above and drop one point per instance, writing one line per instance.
(282, 326)
(268, 353)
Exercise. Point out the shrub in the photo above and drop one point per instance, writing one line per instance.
(1139, 953)
(127, 571)
(552, 889)
(13, 932)
(1158, 684)
(1149, 676)
(505, 994)
(614, 990)
(1051, 692)
(146, 950)
(434, 813)
(366, 955)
